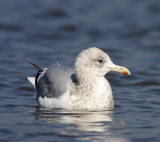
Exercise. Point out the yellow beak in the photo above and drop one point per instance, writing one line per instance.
(120, 69)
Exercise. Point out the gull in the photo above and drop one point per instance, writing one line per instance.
(79, 88)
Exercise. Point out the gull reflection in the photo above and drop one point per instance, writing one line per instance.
(81, 125)
(90, 121)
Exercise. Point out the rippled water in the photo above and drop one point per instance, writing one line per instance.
(128, 30)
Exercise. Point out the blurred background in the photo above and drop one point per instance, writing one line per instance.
(39, 30)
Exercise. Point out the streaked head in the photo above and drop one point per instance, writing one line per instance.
(95, 62)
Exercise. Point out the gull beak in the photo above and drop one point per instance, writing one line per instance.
(120, 69)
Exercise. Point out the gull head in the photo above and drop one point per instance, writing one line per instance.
(95, 62)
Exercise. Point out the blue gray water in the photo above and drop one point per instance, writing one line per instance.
(39, 30)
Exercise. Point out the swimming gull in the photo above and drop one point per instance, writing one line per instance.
(84, 87)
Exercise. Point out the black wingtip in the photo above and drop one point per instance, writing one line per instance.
(38, 67)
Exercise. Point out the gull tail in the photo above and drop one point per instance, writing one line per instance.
(33, 80)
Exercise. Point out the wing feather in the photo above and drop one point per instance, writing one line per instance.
(54, 82)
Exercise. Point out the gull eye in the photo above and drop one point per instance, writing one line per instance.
(100, 61)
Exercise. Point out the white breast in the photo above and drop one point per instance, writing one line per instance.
(99, 97)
